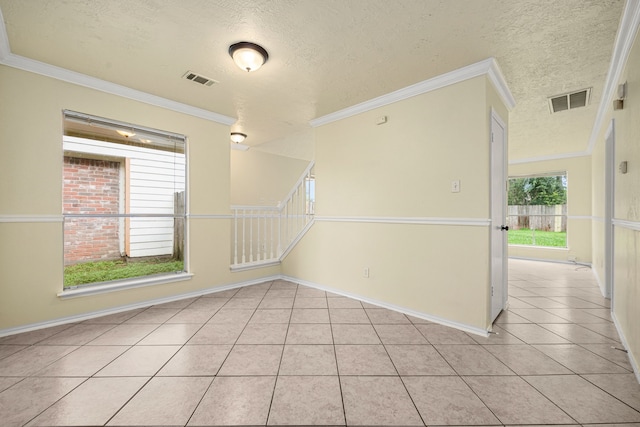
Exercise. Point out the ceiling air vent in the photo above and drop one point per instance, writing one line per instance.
(569, 101)
(199, 78)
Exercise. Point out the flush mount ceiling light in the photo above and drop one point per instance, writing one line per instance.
(237, 137)
(125, 133)
(248, 56)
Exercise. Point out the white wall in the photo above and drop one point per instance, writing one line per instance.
(373, 180)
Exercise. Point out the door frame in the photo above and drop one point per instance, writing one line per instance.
(498, 295)
(609, 203)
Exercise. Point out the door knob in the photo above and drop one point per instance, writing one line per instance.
(504, 227)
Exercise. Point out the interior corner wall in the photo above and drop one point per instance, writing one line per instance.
(578, 209)
(371, 179)
(626, 236)
(262, 179)
(31, 229)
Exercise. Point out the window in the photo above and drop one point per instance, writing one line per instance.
(123, 201)
(538, 210)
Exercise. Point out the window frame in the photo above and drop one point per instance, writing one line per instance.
(564, 216)
(173, 138)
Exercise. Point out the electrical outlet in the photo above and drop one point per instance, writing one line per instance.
(365, 273)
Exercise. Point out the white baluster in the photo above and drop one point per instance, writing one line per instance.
(235, 236)
(263, 248)
(244, 234)
(271, 240)
(251, 237)
(279, 251)
(258, 249)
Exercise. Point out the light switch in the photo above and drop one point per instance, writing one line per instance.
(455, 186)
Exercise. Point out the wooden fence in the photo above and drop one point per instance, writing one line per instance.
(538, 217)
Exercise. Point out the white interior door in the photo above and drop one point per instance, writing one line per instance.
(498, 215)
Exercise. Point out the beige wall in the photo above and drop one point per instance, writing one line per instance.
(31, 182)
(578, 209)
(626, 271)
(262, 179)
(398, 170)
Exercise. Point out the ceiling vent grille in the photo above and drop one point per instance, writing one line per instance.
(199, 78)
(570, 101)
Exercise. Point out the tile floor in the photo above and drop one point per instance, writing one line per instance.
(282, 354)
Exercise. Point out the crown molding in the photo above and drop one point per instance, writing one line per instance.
(80, 79)
(488, 66)
(550, 157)
(627, 31)
(500, 83)
(16, 61)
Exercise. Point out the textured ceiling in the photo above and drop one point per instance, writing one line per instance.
(331, 54)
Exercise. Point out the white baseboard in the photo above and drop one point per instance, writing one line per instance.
(86, 316)
(623, 338)
(120, 309)
(404, 310)
(603, 289)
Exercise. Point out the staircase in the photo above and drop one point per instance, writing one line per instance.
(264, 235)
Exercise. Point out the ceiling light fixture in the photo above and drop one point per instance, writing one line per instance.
(237, 137)
(248, 56)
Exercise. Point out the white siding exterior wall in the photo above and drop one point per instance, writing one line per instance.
(154, 177)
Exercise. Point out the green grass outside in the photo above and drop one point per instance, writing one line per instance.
(525, 236)
(103, 271)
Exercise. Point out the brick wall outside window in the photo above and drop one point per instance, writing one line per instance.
(91, 187)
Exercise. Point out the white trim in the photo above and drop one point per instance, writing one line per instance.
(209, 216)
(623, 339)
(255, 265)
(298, 183)
(500, 83)
(255, 207)
(627, 31)
(144, 304)
(552, 248)
(603, 289)
(80, 79)
(460, 326)
(555, 261)
(589, 217)
(107, 287)
(549, 157)
(629, 225)
(30, 218)
(488, 66)
(295, 241)
(27, 64)
(60, 218)
(5, 49)
(609, 208)
(474, 222)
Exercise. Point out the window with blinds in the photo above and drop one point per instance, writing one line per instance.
(124, 198)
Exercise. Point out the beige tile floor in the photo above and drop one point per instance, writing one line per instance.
(283, 354)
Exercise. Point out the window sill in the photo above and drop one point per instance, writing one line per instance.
(555, 248)
(120, 285)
